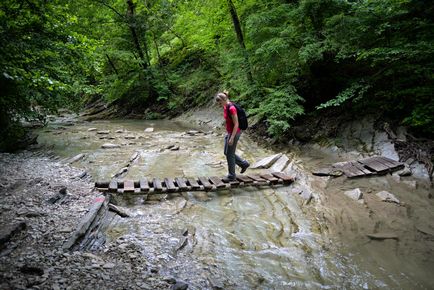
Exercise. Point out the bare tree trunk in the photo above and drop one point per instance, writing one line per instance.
(112, 64)
(131, 26)
(240, 37)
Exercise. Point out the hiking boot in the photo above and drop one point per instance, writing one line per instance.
(228, 179)
(244, 168)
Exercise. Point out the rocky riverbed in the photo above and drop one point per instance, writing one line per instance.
(47, 199)
(329, 232)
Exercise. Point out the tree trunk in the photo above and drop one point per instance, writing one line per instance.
(111, 64)
(240, 37)
(131, 26)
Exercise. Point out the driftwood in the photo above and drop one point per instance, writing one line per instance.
(280, 164)
(266, 162)
(85, 223)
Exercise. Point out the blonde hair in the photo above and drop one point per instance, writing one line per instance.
(221, 96)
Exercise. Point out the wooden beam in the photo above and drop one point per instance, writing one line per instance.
(217, 182)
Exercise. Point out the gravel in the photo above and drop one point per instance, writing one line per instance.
(33, 258)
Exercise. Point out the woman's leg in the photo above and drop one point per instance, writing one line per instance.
(230, 155)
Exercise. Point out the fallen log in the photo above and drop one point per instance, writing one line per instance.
(85, 223)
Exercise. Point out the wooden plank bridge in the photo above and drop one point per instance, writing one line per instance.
(363, 167)
(181, 184)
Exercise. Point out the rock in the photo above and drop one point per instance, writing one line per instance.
(176, 148)
(382, 236)
(149, 130)
(109, 266)
(404, 172)
(110, 146)
(80, 176)
(266, 162)
(30, 213)
(58, 196)
(387, 197)
(280, 164)
(354, 194)
(182, 243)
(192, 132)
(130, 137)
(6, 232)
(179, 285)
(119, 131)
(92, 129)
(169, 280)
(170, 147)
(103, 132)
(76, 158)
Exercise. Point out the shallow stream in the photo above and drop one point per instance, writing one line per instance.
(246, 238)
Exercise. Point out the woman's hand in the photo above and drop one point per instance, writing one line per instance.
(231, 141)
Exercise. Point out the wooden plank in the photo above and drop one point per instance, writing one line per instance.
(257, 178)
(144, 184)
(389, 164)
(128, 186)
(352, 171)
(193, 183)
(280, 164)
(86, 222)
(204, 181)
(156, 182)
(270, 178)
(361, 168)
(394, 162)
(180, 182)
(266, 162)
(284, 177)
(374, 165)
(113, 186)
(102, 184)
(244, 179)
(217, 181)
(170, 185)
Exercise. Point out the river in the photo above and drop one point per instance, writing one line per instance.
(250, 238)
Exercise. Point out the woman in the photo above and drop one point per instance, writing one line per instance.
(232, 136)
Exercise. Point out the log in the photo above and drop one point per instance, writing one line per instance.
(85, 223)
(280, 164)
(266, 162)
(118, 210)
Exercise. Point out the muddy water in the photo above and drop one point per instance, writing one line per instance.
(245, 238)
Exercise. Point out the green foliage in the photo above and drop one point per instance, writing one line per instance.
(279, 106)
(297, 56)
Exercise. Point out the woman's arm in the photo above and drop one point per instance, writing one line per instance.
(235, 129)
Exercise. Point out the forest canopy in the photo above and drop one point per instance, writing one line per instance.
(279, 59)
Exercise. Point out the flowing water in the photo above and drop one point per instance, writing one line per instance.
(245, 238)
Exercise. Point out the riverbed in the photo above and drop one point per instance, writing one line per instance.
(269, 238)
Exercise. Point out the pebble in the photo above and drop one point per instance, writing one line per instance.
(387, 197)
(355, 194)
(179, 285)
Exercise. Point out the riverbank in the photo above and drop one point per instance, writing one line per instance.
(47, 199)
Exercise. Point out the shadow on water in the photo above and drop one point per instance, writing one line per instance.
(233, 239)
